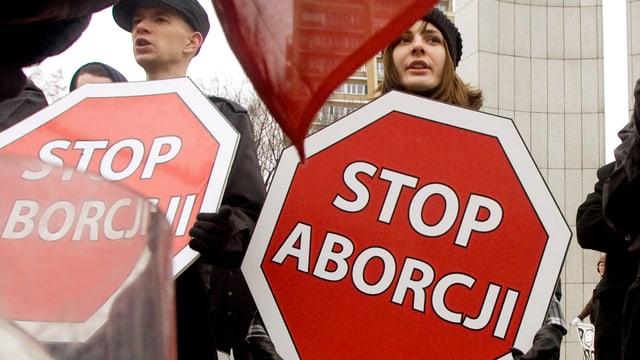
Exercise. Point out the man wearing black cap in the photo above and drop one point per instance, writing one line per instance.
(214, 305)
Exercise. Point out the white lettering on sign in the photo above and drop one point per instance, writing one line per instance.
(334, 263)
(92, 217)
(163, 149)
(398, 181)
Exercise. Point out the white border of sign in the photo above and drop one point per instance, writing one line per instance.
(517, 153)
(210, 117)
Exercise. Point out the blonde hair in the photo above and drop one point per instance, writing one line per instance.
(452, 90)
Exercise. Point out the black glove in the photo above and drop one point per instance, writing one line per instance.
(211, 232)
(516, 353)
(546, 345)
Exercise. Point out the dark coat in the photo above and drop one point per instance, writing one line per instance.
(29, 101)
(594, 233)
(34, 30)
(621, 199)
(213, 300)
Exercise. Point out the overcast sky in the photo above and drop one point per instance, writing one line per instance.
(106, 42)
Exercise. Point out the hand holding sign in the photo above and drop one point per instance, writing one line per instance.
(297, 52)
(211, 233)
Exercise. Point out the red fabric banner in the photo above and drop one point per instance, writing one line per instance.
(296, 52)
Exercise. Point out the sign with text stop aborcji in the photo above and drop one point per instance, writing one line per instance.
(163, 139)
(414, 229)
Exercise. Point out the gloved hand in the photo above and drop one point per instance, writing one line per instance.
(546, 345)
(516, 353)
(575, 322)
(211, 232)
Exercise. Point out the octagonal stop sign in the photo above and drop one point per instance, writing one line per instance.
(163, 139)
(414, 229)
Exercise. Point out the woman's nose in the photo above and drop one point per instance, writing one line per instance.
(418, 45)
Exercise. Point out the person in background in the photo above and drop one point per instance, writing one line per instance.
(29, 101)
(423, 61)
(215, 309)
(95, 72)
(591, 307)
(595, 233)
(620, 202)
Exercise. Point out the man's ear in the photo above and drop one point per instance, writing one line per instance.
(195, 42)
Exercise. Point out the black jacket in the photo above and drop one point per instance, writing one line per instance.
(595, 233)
(29, 101)
(621, 204)
(201, 306)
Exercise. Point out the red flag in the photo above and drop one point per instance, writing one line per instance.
(296, 52)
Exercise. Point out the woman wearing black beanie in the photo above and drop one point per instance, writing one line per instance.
(423, 61)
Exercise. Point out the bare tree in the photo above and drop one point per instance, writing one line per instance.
(51, 84)
(269, 138)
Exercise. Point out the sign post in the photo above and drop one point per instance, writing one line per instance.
(413, 229)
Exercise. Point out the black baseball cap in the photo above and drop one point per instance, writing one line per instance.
(192, 11)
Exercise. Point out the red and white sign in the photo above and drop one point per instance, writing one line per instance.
(163, 139)
(414, 229)
(69, 249)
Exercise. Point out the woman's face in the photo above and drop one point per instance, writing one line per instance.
(419, 57)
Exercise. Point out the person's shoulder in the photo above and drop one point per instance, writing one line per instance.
(605, 171)
(226, 104)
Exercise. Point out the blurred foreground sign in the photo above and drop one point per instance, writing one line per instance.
(78, 252)
(164, 139)
(414, 229)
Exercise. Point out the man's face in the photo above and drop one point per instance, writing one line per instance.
(160, 35)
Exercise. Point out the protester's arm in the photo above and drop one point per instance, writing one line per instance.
(547, 340)
(546, 345)
(587, 310)
(593, 231)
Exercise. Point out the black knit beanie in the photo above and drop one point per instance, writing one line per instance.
(99, 69)
(449, 31)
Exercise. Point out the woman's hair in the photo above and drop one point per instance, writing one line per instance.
(452, 90)
(96, 69)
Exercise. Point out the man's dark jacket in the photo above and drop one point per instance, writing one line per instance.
(202, 308)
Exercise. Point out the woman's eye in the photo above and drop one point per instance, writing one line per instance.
(433, 39)
(405, 39)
